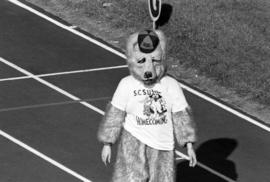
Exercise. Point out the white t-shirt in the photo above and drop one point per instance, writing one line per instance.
(149, 110)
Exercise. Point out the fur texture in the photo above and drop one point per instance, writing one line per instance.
(154, 62)
(137, 162)
(111, 125)
(184, 127)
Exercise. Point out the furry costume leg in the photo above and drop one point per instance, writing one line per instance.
(161, 165)
(130, 163)
(137, 162)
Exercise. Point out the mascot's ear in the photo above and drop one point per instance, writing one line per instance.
(162, 41)
(131, 43)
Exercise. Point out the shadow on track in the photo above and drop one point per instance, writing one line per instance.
(214, 154)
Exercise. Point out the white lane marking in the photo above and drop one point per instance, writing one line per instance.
(48, 84)
(41, 155)
(62, 92)
(63, 73)
(73, 26)
(235, 112)
(227, 108)
(183, 156)
(35, 106)
(68, 28)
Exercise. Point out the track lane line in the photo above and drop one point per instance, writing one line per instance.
(46, 158)
(63, 73)
(183, 156)
(32, 150)
(35, 106)
(186, 87)
(84, 103)
(50, 85)
(68, 28)
(226, 108)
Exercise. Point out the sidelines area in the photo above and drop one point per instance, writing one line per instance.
(211, 100)
(75, 98)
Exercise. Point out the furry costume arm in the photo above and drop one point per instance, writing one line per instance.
(184, 127)
(111, 125)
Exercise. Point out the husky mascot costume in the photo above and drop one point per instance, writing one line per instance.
(148, 112)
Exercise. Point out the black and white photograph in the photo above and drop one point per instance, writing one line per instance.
(134, 90)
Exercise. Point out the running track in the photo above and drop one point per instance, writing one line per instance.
(46, 135)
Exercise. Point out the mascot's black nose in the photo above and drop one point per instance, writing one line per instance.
(147, 75)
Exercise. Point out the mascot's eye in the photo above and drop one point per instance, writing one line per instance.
(156, 60)
(141, 61)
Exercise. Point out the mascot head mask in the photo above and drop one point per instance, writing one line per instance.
(146, 56)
